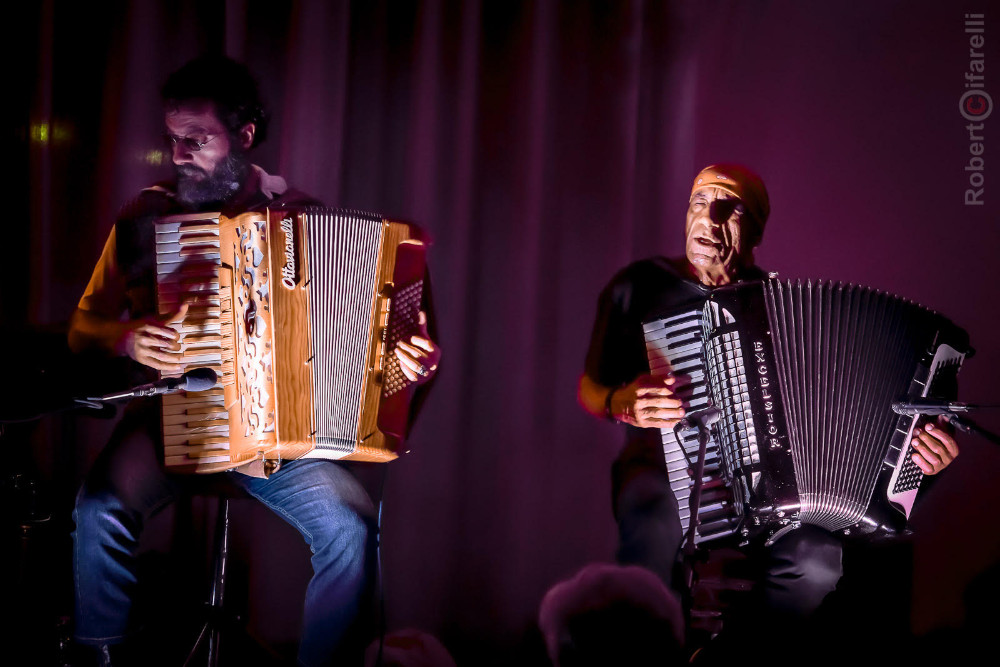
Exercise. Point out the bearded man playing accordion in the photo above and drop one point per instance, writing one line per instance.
(213, 118)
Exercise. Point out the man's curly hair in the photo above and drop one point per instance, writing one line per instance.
(227, 84)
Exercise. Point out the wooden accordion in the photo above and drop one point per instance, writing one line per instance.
(298, 312)
(803, 375)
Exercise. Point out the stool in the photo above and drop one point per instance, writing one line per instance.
(215, 612)
(220, 621)
(720, 577)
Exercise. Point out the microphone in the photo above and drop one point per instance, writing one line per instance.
(703, 418)
(930, 406)
(198, 379)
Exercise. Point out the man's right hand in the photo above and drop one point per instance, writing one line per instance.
(648, 402)
(150, 342)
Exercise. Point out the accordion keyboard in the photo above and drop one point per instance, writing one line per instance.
(188, 270)
(674, 346)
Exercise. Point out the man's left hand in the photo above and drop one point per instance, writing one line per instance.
(418, 358)
(933, 447)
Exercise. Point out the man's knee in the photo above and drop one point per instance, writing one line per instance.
(339, 521)
(649, 529)
(344, 536)
(103, 513)
(803, 568)
(647, 494)
(810, 551)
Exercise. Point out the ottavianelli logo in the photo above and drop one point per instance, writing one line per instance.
(976, 105)
(288, 268)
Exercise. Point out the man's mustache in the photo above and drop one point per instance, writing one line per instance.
(188, 171)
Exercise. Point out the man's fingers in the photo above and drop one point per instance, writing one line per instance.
(415, 364)
(410, 350)
(411, 367)
(924, 466)
(655, 393)
(153, 331)
(932, 445)
(926, 453)
(670, 402)
(406, 359)
(147, 341)
(946, 439)
(661, 414)
(933, 448)
(410, 375)
(422, 343)
(657, 422)
(935, 442)
(160, 362)
(177, 315)
(408, 365)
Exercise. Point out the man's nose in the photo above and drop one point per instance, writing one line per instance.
(710, 220)
(182, 154)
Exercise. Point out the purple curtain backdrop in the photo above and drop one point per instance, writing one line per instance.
(544, 145)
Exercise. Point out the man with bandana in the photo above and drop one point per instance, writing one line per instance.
(726, 214)
(213, 118)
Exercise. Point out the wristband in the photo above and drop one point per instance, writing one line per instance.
(607, 404)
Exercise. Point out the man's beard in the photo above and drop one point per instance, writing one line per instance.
(215, 189)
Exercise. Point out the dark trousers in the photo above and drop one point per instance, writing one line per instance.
(796, 573)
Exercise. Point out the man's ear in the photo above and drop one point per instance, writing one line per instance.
(246, 134)
(756, 235)
(753, 241)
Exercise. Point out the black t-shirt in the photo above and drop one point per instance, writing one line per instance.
(643, 291)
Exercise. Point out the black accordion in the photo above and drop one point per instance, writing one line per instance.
(803, 375)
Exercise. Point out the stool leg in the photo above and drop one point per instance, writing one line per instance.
(214, 615)
(218, 591)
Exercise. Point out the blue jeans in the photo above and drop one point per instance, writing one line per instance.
(127, 485)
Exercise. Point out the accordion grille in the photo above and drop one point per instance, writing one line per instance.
(343, 262)
(843, 354)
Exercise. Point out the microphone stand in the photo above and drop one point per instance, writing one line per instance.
(67, 404)
(703, 421)
(950, 411)
(198, 379)
(99, 403)
(966, 425)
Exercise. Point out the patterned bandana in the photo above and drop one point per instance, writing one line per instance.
(739, 181)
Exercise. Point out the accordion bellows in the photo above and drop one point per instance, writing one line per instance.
(804, 374)
(298, 311)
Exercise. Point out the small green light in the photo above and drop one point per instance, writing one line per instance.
(153, 157)
(40, 133)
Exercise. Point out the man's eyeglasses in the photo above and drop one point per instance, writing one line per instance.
(189, 143)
